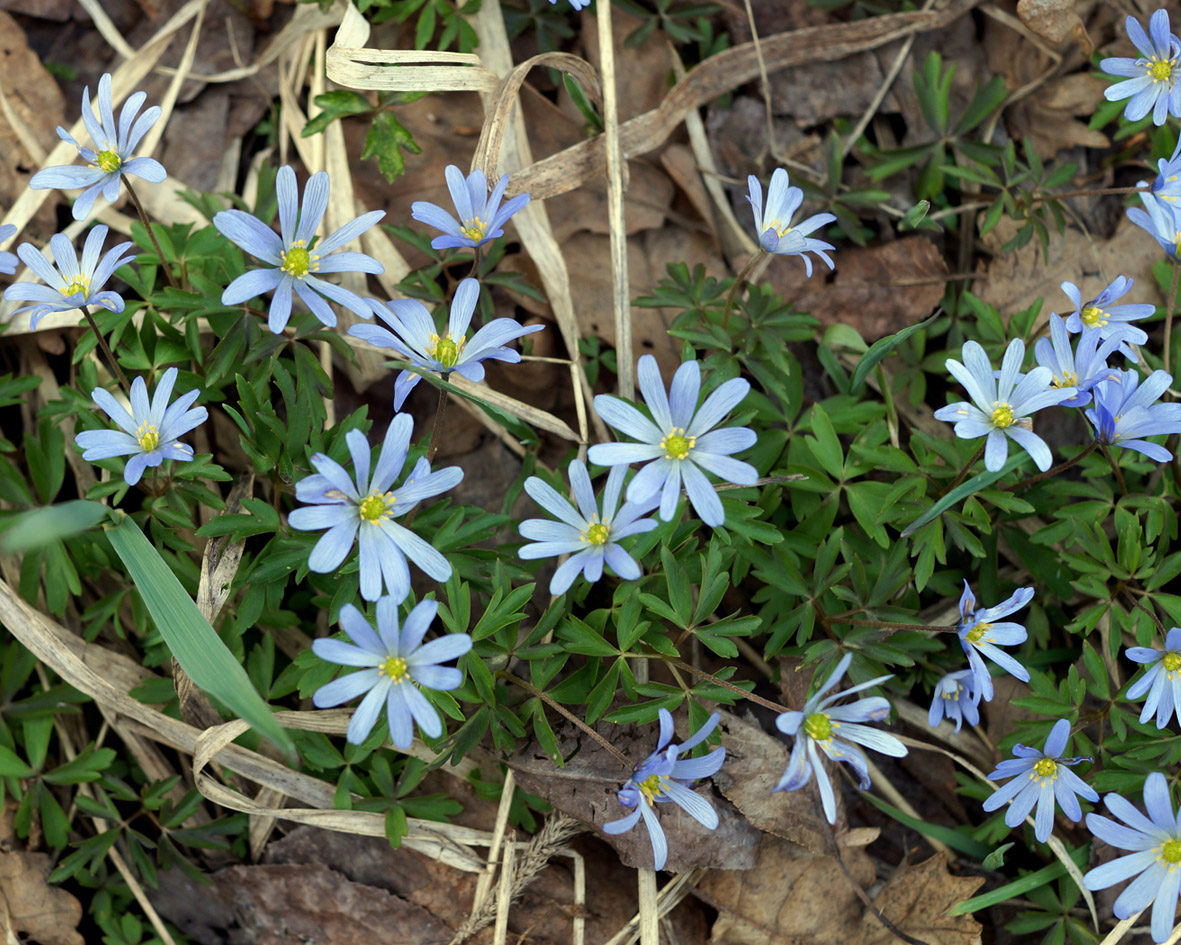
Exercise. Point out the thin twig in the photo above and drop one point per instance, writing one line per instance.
(1050, 473)
(964, 472)
(567, 715)
(738, 690)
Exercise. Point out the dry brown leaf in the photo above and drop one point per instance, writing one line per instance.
(644, 68)
(1053, 20)
(46, 914)
(916, 900)
(1048, 118)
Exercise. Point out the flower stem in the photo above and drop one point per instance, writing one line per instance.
(1052, 472)
(437, 429)
(1119, 475)
(106, 350)
(1171, 312)
(566, 714)
(737, 690)
(964, 472)
(738, 281)
(921, 627)
(143, 215)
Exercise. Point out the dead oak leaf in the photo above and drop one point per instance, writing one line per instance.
(916, 900)
(44, 913)
(1048, 118)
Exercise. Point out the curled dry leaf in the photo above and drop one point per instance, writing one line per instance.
(42, 912)
(916, 900)
(1053, 20)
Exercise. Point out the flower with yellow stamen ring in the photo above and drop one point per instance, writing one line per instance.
(481, 217)
(1161, 682)
(982, 633)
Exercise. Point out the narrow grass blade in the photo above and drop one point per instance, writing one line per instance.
(963, 490)
(882, 347)
(1020, 887)
(40, 527)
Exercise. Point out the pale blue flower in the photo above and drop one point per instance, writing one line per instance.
(481, 217)
(295, 260)
(149, 432)
(589, 538)
(1166, 185)
(416, 339)
(7, 260)
(1111, 320)
(1162, 681)
(1041, 777)
(367, 504)
(112, 154)
(663, 777)
(577, 4)
(1155, 860)
(1160, 223)
(71, 285)
(1150, 82)
(397, 664)
(1002, 407)
(680, 443)
(1126, 410)
(981, 635)
(837, 730)
(773, 224)
(956, 697)
(1081, 369)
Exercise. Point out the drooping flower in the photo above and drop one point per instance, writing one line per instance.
(1150, 82)
(1111, 320)
(1041, 777)
(415, 338)
(956, 697)
(112, 154)
(367, 504)
(1166, 185)
(1160, 223)
(70, 285)
(1162, 681)
(1125, 411)
(397, 665)
(589, 538)
(981, 635)
(1081, 369)
(680, 443)
(7, 260)
(295, 260)
(1155, 860)
(149, 432)
(773, 225)
(481, 217)
(1002, 407)
(661, 778)
(838, 731)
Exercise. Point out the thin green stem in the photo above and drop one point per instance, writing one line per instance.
(106, 350)
(964, 472)
(143, 215)
(1119, 475)
(566, 714)
(738, 281)
(1171, 312)
(437, 429)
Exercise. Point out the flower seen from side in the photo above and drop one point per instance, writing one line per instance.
(773, 223)
(679, 442)
(1002, 408)
(1155, 860)
(663, 777)
(415, 338)
(1082, 367)
(1160, 223)
(149, 432)
(956, 698)
(1161, 681)
(112, 154)
(7, 260)
(590, 538)
(1111, 320)
(981, 635)
(1166, 185)
(71, 284)
(837, 730)
(295, 261)
(1126, 410)
(481, 216)
(1149, 81)
(1041, 778)
(396, 666)
(362, 508)
(577, 4)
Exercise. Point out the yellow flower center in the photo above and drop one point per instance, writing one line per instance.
(1068, 379)
(108, 161)
(1093, 317)
(81, 284)
(1002, 416)
(1172, 661)
(954, 696)
(473, 229)
(1170, 851)
(977, 632)
(818, 726)
(1045, 768)
(652, 787)
(781, 229)
(297, 260)
(446, 351)
(395, 668)
(1160, 69)
(376, 506)
(676, 445)
(148, 436)
(597, 534)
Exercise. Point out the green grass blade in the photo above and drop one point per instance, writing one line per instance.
(953, 838)
(40, 527)
(1020, 887)
(190, 638)
(963, 490)
(882, 347)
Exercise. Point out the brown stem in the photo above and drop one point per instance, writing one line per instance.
(566, 714)
(102, 343)
(1052, 472)
(139, 208)
(437, 430)
(737, 690)
(964, 472)
(1119, 475)
(738, 280)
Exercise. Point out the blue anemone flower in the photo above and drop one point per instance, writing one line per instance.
(481, 217)
(1081, 369)
(112, 154)
(773, 224)
(1041, 777)
(149, 432)
(680, 443)
(1160, 223)
(397, 665)
(296, 262)
(837, 730)
(71, 285)
(1155, 860)
(1162, 681)
(415, 338)
(1111, 320)
(1002, 407)
(663, 777)
(367, 504)
(7, 260)
(956, 697)
(981, 635)
(1150, 81)
(1126, 410)
(1166, 185)
(589, 538)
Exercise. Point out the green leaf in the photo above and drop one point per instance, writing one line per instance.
(190, 638)
(11, 765)
(953, 838)
(826, 447)
(1021, 887)
(914, 216)
(882, 347)
(963, 490)
(336, 104)
(996, 859)
(387, 139)
(42, 527)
